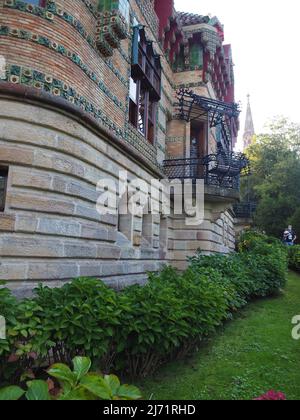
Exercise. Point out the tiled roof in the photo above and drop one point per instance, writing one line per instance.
(187, 19)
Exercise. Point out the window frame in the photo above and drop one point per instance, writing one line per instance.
(146, 69)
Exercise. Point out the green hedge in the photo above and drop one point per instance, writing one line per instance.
(137, 330)
(294, 257)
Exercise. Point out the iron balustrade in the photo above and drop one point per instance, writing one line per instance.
(220, 170)
(245, 210)
(192, 107)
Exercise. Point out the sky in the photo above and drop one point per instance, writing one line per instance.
(264, 35)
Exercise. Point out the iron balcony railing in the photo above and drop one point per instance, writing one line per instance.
(220, 170)
(245, 210)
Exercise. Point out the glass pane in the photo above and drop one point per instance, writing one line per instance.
(142, 106)
(133, 113)
(150, 131)
(133, 90)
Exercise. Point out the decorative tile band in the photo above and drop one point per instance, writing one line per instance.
(22, 6)
(40, 81)
(90, 7)
(175, 139)
(51, 11)
(140, 143)
(161, 148)
(187, 68)
(146, 9)
(46, 42)
(30, 77)
(191, 85)
(162, 129)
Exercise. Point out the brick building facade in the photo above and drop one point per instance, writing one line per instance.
(89, 88)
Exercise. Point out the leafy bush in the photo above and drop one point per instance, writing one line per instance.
(137, 330)
(294, 257)
(257, 270)
(78, 385)
(168, 316)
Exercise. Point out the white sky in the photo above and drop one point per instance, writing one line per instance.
(264, 35)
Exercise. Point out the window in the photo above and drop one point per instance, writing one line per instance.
(145, 85)
(196, 56)
(3, 186)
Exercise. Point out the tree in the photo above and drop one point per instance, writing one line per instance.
(275, 161)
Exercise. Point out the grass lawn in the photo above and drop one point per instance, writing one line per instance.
(250, 356)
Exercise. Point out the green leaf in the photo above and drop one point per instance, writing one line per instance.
(113, 383)
(37, 391)
(129, 392)
(82, 366)
(97, 386)
(63, 373)
(11, 393)
(78, 394)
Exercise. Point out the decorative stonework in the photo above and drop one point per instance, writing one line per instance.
(22, 6)
(30, 77)
(174, 139)
(162, 129)
(111, 28)
(90, 7)
(46, 42)
(137, 140)
(50, 12)
(146, 7)
(191, 85)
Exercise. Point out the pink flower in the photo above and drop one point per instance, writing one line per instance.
(272, 396)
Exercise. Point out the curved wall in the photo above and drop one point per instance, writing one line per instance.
(50, 229)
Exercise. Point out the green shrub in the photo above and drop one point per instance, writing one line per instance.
(78, 384)
(265, 260)
(294, 257)
(257, 270)
(138, 329)
(168, 316)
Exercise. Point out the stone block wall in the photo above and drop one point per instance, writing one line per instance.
(50, 229)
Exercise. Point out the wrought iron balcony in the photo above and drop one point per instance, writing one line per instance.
(191, 107)
(245, 210)
(219, 170)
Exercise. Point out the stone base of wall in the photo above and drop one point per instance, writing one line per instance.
(50, 230)
(241, 225)
(215, 235)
